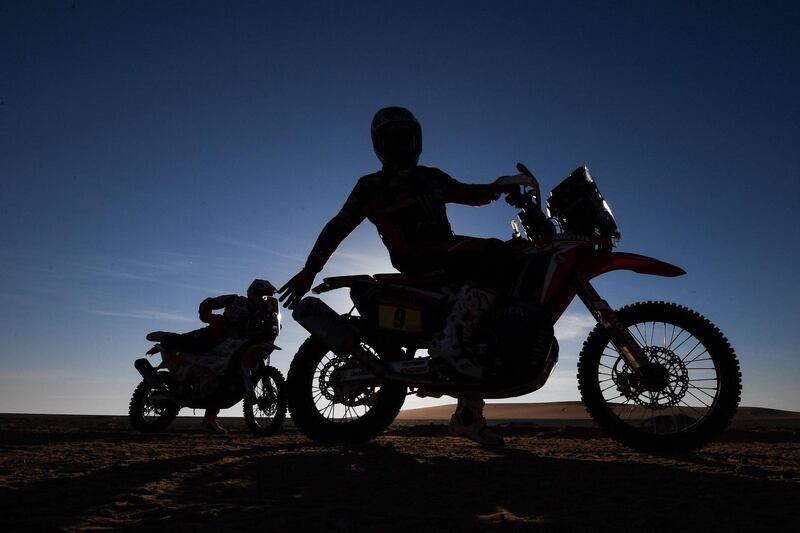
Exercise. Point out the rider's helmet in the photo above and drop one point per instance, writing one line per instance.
(260, 288)
(396, 137)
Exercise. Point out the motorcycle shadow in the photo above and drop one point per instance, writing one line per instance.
(404, 481)
(451, 485)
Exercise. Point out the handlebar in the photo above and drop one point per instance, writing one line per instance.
(524, 194)
(521, 188)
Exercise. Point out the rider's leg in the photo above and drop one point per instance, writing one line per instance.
(483, 263)
(196, 341)
(468, 421)
(454, 343)
(210, 423)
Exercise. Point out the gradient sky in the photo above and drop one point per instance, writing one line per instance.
(155, 153)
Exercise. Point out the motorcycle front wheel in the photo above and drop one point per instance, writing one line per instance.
(150, 411)
(326, 410)
(695, 396)
(265, 416)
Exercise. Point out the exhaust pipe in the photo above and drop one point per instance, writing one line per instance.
(325, 324)
(150, 376)
(334, 331)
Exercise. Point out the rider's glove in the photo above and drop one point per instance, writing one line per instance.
(512, 183)
(205, 310)
(295, 288)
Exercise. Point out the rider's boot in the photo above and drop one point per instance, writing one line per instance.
(454, 343)
(210, 423)
(468, 421)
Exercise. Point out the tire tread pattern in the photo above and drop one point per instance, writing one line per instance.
(136, 416)
(313, 424)
(729, 376)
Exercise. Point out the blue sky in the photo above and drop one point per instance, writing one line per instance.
(153, 153)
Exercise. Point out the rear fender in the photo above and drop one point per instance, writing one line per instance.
(156, 336)
(339, 282)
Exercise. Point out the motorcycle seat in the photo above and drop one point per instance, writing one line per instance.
(432, 278)
(337, 282)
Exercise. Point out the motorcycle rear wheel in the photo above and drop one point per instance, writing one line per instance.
(314, 405)
(702, 381)
(265, 416)
(147, 416)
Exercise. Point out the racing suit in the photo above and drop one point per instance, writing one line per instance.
(410, 216)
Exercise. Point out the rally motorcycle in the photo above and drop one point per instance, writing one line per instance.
(654, 375)
(237, 368)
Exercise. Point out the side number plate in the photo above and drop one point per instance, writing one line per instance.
(399, 318)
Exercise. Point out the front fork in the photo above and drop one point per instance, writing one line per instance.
(619, 334)
(249, 363)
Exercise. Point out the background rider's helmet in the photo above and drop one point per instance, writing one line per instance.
(260, 288)
(396, 137)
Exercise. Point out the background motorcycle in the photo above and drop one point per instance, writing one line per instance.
(238, 368)
(655, 375)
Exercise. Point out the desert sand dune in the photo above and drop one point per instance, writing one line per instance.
(573, 413)
(506, 411)
(91, 472)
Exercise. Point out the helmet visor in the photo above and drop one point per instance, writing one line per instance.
(400, 144)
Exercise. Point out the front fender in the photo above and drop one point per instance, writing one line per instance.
(255, 352)
(597, 264)
(266, 345)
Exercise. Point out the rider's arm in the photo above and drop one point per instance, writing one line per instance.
(354, 211)
(339, 227)
(455, 192)
(209, 305)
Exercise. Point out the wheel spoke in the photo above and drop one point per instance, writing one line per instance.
(609, 387)
(693, 408)
(698, 399)
(641, 336)
(671, 337)
(683, 392)
(697, 358)
(675, 349)
(345, 401)
(703, 391)
(691, 351)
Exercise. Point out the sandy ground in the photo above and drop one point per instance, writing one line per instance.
(82, 472)
(574, 414)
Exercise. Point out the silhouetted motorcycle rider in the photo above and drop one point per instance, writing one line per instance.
(406, 202)
(242, 316)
